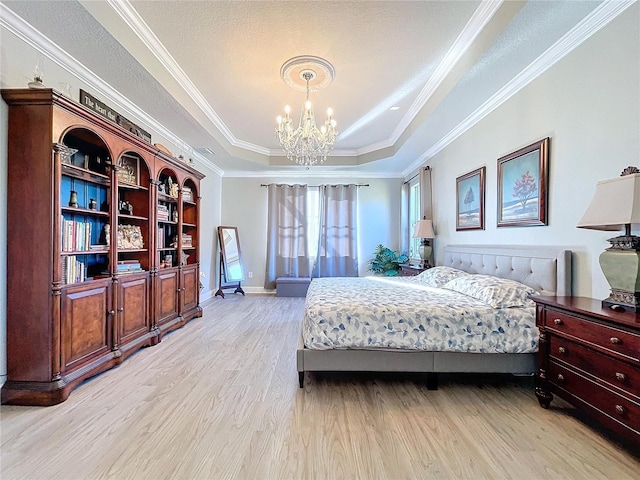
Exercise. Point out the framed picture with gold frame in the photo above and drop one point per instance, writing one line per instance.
(128, 169)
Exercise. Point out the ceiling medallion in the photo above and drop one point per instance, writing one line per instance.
(307, 145)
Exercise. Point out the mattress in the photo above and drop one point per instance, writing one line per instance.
(402, 313)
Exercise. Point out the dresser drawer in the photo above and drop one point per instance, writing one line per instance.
(608, 369)
(611, 339)
(617, 411)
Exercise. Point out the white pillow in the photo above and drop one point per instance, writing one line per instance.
(438, 276)
(495, 292)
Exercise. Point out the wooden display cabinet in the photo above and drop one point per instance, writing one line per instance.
(86, 287)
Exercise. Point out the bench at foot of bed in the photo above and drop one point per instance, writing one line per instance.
(292, 286)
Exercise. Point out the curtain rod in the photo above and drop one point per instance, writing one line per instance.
(426, 168)
(325, 185)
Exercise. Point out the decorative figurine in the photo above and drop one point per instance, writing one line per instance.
(93, 204)
(125, 207)
(73, 199)
(173, 188)
(106, 235)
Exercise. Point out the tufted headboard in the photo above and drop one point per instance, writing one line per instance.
(547, 269)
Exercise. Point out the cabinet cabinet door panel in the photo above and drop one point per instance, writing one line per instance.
(190, 288)
(133, 301)
(85, 324)
(167, 295)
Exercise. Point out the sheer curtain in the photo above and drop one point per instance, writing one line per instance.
(337, 244)
(287, 252)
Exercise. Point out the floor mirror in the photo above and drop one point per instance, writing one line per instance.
(231, 268)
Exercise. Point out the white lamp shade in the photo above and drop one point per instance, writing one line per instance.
(615, 204)
(423, 229)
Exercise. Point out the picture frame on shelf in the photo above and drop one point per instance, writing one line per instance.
(523, 186)
(470, 196)
(128, 170)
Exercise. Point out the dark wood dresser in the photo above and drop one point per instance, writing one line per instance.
(590, 357)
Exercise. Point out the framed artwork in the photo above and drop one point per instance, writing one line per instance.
(522, 186)
(128, 169)
(470, 200)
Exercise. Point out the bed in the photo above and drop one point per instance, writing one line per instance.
(339, 332)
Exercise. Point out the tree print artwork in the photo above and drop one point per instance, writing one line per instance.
(468, 200)
(524, 188)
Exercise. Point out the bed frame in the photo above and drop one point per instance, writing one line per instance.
(547, 269)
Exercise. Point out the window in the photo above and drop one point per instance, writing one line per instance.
(414, 215)
(311, 230)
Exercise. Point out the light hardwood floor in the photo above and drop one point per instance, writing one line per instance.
(219, 398)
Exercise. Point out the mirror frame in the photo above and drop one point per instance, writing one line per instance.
(223, 254)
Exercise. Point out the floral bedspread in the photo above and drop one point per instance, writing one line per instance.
(402, 313)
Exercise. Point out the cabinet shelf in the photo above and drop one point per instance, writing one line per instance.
(133, 272)
(132, 250)
(131, 186)
(84, 174)
(125, 216)
(189, 202)
(164, 249)
(85, 252)
(85, 211)
(168, 222)
(163, 197)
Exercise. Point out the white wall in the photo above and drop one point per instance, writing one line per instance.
(244, 204)
(589, 104)
(210, 210)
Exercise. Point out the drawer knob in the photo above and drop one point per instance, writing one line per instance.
(557, 321)
(562, 350)
(620, 409)
(615, 340)
(560, 377)
(621, 376)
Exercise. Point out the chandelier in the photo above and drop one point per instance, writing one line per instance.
(307, 144)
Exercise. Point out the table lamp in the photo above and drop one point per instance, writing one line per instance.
(616, 206)
(424, 229)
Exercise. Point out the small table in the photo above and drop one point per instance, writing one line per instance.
(407, 270)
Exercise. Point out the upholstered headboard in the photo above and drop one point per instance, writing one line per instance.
(547, 269)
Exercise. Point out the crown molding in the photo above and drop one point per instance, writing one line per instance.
(467, 36)
(28, 34)
(130, 16)
(315, 172)
(592, 23)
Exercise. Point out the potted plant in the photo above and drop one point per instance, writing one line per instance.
(386, 261)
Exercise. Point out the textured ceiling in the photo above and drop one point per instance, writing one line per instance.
(209, 71)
